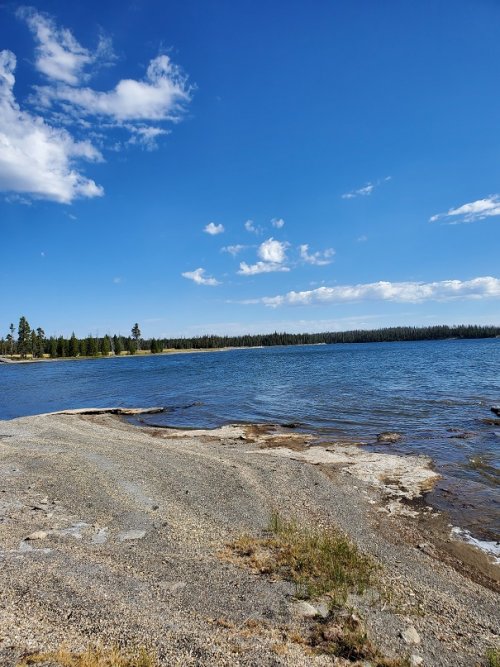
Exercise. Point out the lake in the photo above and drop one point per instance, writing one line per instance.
(436, 393)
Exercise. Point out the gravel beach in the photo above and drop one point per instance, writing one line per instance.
(118, 534)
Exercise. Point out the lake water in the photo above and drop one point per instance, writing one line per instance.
(436, 393)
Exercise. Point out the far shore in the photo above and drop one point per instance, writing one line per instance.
(140, 353)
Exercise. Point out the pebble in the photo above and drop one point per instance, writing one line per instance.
(131, 535)
(416, 660)
(305, 609)
(37, 535)
(410, 635)
(322, 610)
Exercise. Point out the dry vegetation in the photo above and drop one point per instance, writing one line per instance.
(96, 656)
(493, 657)
(322, 563)
(319, 561)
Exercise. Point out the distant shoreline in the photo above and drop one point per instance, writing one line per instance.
(170, 351)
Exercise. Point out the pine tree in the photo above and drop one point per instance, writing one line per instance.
(23, 337)
(117, 345)
(136, 335)
(106, 346)
(73, 348)
(40, 342)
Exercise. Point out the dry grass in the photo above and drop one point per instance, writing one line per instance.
(96, 656)
(319, 561)
(345, 637)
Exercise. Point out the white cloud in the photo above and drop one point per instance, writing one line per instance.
(145, 135)
(160, 96)
(273, 251)
(252, 228)
(198, 276)
(366, 190)
(36, 158)
(117, 280)
(404, 292)
(58, 54)
(213, 229)
(260, 267)
(476, 210)
(273, 254)
(317, 258)
(362, 239)
(233, 249)
(278, 223)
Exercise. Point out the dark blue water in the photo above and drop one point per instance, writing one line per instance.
(421, 389)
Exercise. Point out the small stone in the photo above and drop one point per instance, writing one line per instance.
(132, 535)
(306, 610)
(416, 660)
(389, 436)
(37, 535)
(410, 635)
(496, 410)
(322, 610)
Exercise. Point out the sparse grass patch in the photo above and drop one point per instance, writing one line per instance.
(493, 657)
(319, 561)
(96, 656)
(345, 637)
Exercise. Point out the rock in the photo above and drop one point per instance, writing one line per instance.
(37, 535)
(410, 635)
(306, 610)
(131, 535)
(416, 660)
(389, 436)
(322, 610)
(496, 410)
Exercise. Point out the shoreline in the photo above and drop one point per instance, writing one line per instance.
(111, 506)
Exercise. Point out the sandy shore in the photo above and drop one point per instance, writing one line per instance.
(127, 527)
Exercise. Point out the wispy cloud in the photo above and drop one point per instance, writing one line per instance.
(317, 258)
(39, 156)
(59, 55)
(35, 157)
(261, 267)
(366, 190)
(160, 96)
(273, 256)
(251, 227)
(471, 212)
(362, 239)
(233, 249)
(278, 223)
(213, 229)
(403, 292)
(198, 276)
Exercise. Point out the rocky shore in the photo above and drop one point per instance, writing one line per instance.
(116, 534)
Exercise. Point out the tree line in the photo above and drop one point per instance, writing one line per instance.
(26, 341)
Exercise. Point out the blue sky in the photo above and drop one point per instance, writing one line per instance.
(235, 167)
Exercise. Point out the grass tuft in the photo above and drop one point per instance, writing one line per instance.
(97, 656)
(493, 657)
(319, 561)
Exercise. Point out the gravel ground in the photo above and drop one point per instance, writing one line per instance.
(127, 526)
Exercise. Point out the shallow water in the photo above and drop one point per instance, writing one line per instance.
(436, 393)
